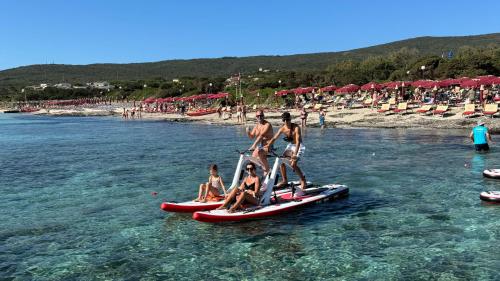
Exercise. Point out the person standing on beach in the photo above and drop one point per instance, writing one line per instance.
(480, 136)
(262, 133)
(239, 113)
(322, 115)
(243, 112)
(293, 151)
(303, 117)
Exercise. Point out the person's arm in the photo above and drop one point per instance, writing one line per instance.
(251, 134)
(471, 136)
(488, 136)
(259, 137)
(275, 137)
(257, 187)
(222, 185)
(297, 141)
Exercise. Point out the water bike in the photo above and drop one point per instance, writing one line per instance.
(492, 173)
(193, 206)
(490, 196)
(273, 202)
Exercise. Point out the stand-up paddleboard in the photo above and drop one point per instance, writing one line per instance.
(285, 202)
(492, 173)
(192, 206)
(490, 196)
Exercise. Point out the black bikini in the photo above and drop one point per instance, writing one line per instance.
(249, 187)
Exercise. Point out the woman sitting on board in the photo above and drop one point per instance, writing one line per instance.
(210, 191)
(247, 192)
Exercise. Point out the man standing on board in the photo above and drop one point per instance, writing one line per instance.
(294, 150)
(262, 133)
(480, 137)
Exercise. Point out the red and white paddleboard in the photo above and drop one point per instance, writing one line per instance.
(490, 196)
(492, 173)
(192, 206)
(285, 203)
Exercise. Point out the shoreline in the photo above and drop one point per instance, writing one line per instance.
(345, 118)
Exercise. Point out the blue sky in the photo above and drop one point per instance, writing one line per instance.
(92, 31)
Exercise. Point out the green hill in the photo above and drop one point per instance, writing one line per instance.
(221, 67)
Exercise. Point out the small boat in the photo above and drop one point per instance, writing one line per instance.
(492, 173)
(283, 202)
(201, 112)
(193, 206)
(490, 196)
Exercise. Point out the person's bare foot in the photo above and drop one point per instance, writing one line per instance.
(203, 201)
(303, 184)
(281, 184)
(231, 210)
(197, 200)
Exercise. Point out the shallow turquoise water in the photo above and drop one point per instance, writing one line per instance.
(76, 204)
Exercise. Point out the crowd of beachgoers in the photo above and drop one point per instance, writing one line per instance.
(424, 103)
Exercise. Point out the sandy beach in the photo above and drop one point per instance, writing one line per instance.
(339, 118)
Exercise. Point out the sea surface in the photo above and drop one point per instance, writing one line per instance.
(77, 203)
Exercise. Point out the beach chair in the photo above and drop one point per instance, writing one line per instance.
(317, 107)
(402, 108)
(490, 109)
(440, 110)
(384, 108)
(469, 110)
(425, 109)
(392, 102)
(367, 102)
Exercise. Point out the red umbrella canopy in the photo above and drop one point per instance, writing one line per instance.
(423, 84)
(496, 81)
(471, 83)
(446, 82)
(351, 88)
(218, 96)
(486, 80)
(283, 93)
(301, 91)
(330, 88)
(149, 100)
(371, 86)
(433, 84)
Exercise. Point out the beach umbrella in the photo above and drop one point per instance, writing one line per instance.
(496, 81)
(306, 90)
(330, 88)
(471, 83)
(427, 84)
(486, 79)
(149, 100)
(283, 93)
(218, 96)
(371, 86)
(351, 88)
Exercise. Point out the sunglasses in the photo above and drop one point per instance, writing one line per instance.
(249, 168)
(259, 116)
